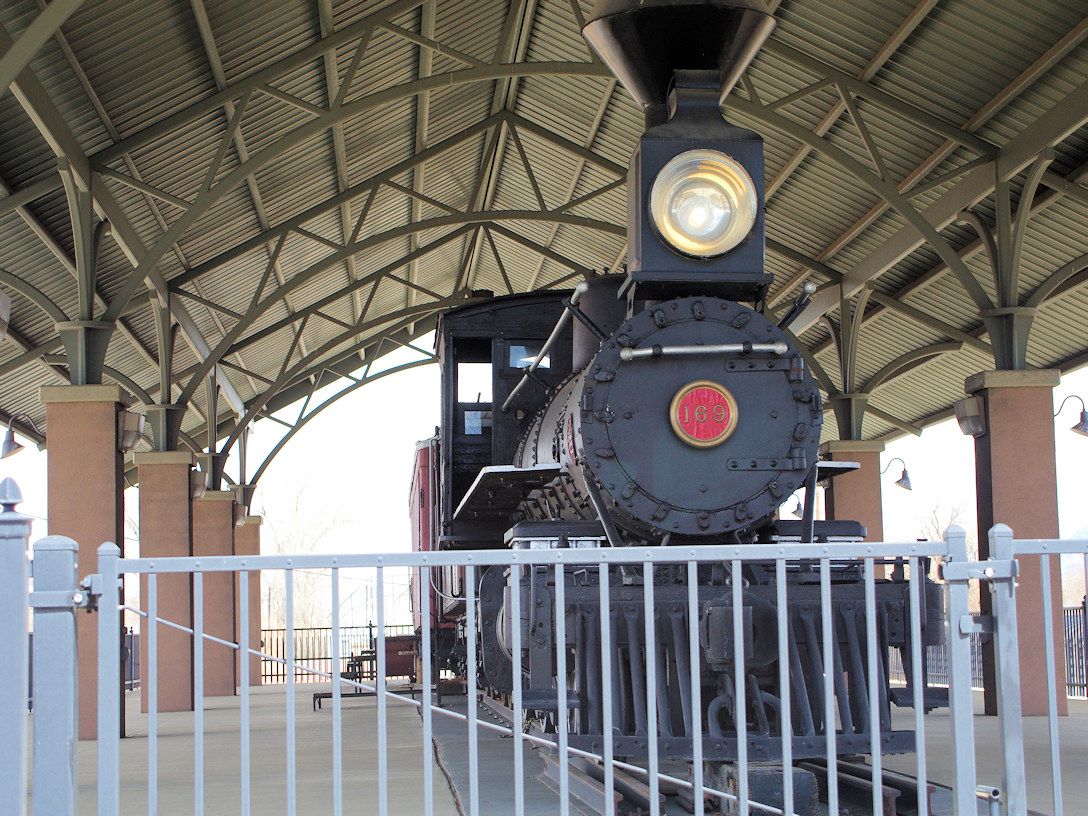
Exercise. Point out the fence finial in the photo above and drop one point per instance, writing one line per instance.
(9, 495)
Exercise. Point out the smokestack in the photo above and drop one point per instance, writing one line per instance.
(645, 42)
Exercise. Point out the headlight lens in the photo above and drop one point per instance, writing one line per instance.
(703, 203)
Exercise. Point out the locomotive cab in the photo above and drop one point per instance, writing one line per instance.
(484, 349)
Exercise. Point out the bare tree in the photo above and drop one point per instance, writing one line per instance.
(292, 527)
(934, 523)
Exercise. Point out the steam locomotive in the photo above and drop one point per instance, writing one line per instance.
(656, 407)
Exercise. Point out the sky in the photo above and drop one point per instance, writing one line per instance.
(350, 469)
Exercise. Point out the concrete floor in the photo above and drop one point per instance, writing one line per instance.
(313, 756)
(1073, 742)
(406, 752)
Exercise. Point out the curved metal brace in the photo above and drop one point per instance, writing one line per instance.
(836, 341)
(226, 344)
(905, 360)
(817, 370)
(853, 339)
(885, 189)
(290, 375)
(34, 295)
(297, 281)
(300, 135)
(974, 220)
(1048, 287)
(1010, 294)
(351, 388)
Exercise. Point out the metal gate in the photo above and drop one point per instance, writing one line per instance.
(56, 599)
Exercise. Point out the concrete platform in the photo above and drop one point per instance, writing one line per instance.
(313, 756)
(405, 753)
(1073, 736)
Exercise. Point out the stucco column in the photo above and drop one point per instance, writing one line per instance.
(86, 503)
(856, 495)
(1016, 484)
(166, 531)
(247, 541)
(213, 535)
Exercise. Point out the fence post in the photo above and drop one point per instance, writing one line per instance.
(14, 644)
(56, 687)
(1007, 659)
(1083, 674)
(958, 626)
(109, 681)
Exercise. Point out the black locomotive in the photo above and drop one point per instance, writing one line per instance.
(658, 407)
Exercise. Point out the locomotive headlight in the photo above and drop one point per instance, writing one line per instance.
(703, 203)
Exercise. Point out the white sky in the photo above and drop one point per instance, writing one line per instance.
(354, 462)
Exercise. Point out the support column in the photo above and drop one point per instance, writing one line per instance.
(247, 541)
(1016, 484)
(86, 503)
(213, 536)
(166, 531)
(856, 496)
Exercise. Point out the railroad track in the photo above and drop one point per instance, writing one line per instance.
(631, 793)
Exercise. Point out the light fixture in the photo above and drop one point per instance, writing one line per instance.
(130, 426)
(198, 484)
(798, 510)
(1082, 426)
(904, 480)
(703, 203)
(10, 445)
(969, 416)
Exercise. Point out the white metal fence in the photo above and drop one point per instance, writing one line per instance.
(56, 598)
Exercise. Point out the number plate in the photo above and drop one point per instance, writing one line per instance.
(703, 414)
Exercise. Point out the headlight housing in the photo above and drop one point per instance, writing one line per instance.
(703, 203)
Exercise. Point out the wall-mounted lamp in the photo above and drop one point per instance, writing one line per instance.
(798, 510)
(129, 428)
(10, 445)
(1082, 426)
(904, 480)
(198, 484)
(970, 417)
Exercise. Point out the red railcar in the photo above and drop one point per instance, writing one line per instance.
(445, 587)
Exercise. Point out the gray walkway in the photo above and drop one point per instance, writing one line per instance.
(268, 745)
(405, 753)
(1073, 732)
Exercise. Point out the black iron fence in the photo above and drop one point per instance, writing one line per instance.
(313, 650)
(1076, 659)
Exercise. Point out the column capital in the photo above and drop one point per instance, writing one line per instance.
(255, 521)
(163, 458)
(1036, 378)
(80, 393)
(217, 495)
(852, 446)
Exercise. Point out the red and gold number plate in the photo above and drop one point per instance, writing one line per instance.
(703, 414)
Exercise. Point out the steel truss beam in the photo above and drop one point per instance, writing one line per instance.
(1050, 129)
(49, 121)
(302, 421)
(912, 182)
(18, 54)
(319, 124)
(896, 303)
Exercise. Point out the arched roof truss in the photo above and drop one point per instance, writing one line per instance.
(274, 193)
